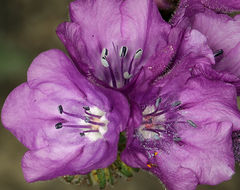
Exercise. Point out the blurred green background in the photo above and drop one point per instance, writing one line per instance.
(27, 27)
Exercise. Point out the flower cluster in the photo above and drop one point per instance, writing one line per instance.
(171, 87)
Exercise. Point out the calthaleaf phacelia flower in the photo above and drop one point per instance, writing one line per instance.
(185, 138)
(222, 32)
(184, 134)
(111, 41)
(69, 125)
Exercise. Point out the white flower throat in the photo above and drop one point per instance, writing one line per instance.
(92, 124)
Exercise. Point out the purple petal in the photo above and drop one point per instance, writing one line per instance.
(210, 100)
(58, 111)
(223, 34)
(102, 24)
(58, 160)
(205, 158)
(15, 117)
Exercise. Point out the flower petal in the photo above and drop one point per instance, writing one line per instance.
(222, 34)
(102, 24)
(207, 100)
(206, 158)
(54, 161)
(15, 117)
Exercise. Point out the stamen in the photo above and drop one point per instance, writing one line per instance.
(92, 115)
(126, 75)
(104, 62)
(177, 103)
(82, 134)
(190, 122)
(104, 52)
(96, 123)
(159, 113)
(149, 121)
(218, 52)
(177, 139)
(88, 131)
(58, 125)
(138, 54)
(87, 108)
(153, 130)
(60, 109)
(107, 64)
(87, 119)
(158, 101)
(78, 126)
(123, 51)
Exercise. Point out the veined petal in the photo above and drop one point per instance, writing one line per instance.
(205, 158)
(210, 100)
(15, 117)
(221, 31)
(223, 34)
(58, 160)
(58, 110)
(210, 147)
(103, 25)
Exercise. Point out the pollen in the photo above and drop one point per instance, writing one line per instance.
(149, 165)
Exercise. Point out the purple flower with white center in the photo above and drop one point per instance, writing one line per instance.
(111, 41)
(222, 32)
(69, 125)
(183, 135)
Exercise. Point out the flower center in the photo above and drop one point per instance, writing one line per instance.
(124, 68)
(160, 125)
(92, 124)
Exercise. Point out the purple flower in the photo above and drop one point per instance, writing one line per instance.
(184, 134)
(112, 41)
(223, 35)
(69, 125)
(185, 137)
